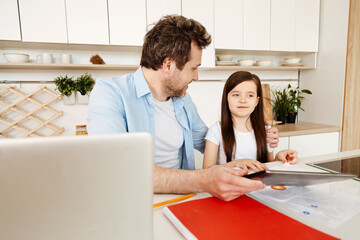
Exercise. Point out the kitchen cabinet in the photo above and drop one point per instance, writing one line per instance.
(315, 144)
(203, 12)
(307, 25)
(9, 24)
(256, 25)
(310, 144)
(127, 22)
(228, 13)
(282, 25)
(87, 21)
(295, 25)
(155, 9)
(43, 21)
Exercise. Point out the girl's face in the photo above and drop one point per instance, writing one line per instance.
(243, 99)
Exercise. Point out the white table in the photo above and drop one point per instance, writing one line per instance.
(350, 230)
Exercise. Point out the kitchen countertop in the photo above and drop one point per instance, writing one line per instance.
(303, 128)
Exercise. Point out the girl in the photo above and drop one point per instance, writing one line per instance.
(241, 134)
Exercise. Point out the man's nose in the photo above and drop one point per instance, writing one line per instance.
(196, 76)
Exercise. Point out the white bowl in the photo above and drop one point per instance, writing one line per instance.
(225, 57)
(292, 60)
(246, 62)
(263, 63)
(16, 57)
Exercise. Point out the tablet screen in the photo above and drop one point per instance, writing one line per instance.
(343, 165)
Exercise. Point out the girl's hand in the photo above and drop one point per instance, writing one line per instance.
(287, 156)
(248, 164)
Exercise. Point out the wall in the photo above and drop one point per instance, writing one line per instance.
(327, 81)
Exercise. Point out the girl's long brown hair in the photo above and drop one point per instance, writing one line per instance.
(256, 117)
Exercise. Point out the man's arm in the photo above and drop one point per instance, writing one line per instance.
(220, 181)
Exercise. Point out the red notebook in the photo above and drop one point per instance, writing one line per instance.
(242, 218)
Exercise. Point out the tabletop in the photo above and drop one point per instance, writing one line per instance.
(349, 230)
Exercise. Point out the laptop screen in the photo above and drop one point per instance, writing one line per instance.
(79, 187)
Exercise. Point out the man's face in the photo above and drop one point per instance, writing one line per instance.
(177, 83)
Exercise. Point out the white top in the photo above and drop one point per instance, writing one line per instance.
(168, 135)
(245, 143)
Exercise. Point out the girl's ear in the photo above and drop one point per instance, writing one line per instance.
(257, 102)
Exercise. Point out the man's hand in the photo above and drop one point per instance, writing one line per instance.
(287, 156)
(226, 183)
(272, 137)
(247, 164)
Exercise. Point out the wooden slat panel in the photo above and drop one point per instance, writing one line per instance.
(351, 113)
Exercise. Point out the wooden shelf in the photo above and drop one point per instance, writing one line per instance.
(67, 66)
(134, 67)
(257, 68)
(304, 128)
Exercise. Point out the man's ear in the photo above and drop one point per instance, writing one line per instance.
(166, 66)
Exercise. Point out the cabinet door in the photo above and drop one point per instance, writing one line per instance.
(228, 14)
(307, 25)
(282, 145)
(203, 12)
(87, 21)
(127, 21)
(315, 144)
(43, 21)
(9, 20)
(155, 9)
(282, 25)
(257, 24)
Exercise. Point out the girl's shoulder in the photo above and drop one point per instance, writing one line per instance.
(215, 126)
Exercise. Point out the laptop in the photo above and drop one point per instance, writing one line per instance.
(78, 187)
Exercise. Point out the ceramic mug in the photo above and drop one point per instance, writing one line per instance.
(45, 58)
(65, 58)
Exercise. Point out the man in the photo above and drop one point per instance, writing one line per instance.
(154, 100)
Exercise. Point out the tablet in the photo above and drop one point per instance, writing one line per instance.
(294, 178)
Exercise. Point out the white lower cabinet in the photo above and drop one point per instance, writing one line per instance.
(311, 144)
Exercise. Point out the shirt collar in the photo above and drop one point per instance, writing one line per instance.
(141, 85)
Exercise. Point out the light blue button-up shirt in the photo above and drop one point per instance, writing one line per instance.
(124, 104)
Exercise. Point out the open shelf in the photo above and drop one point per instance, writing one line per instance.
(134, 67)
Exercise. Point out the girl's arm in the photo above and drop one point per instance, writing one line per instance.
(210, 154)
(270, 157)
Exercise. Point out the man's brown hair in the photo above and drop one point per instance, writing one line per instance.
(172, 37)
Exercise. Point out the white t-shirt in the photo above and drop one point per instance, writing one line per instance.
(245, 143)
(168, 135)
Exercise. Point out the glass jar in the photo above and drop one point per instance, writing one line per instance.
(81, 130)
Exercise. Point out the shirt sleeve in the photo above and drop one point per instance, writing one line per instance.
(214, 134)
(106, 114)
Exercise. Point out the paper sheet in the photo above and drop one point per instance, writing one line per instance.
(326, 204)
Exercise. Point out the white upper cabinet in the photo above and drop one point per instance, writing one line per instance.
(203, 12)
(228, 24)
(283, 25)
(158, 8)
(257, 24)
(43, 21)
(87, 21)
(127, 22)
(307, 25)
(9, 24)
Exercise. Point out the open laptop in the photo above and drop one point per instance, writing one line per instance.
(79, 187)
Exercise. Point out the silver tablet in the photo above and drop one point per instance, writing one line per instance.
(294, 178)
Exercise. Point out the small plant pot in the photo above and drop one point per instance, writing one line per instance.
(291, 118)
(70, 100)
(83, 99)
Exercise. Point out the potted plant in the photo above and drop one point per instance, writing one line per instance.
(66, 86)
(295, 97)
(280, 104)
(84, 85)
